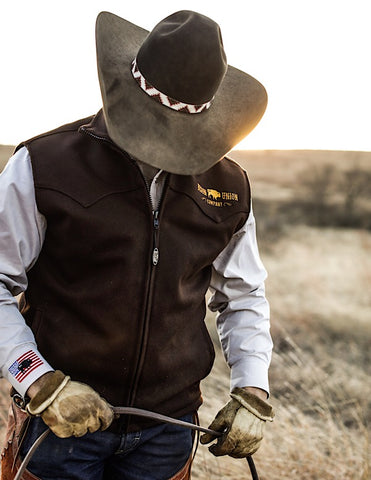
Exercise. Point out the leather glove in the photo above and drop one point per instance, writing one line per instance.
(242, 422)
(70, 408)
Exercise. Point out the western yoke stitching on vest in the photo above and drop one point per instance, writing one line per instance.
(85, 204)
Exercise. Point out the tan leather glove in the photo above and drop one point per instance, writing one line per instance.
(242, 422)
(70, 408)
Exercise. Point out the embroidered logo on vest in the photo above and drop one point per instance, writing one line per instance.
(215, 198)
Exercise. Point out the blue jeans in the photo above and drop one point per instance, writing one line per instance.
(155, 453)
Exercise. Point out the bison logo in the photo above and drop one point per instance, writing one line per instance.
(213, 194)
(215, 198)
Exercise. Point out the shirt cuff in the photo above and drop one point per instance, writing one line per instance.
(26, 366)
(250, 372)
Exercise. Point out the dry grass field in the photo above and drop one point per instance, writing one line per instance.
(319, 289)
(319, 283)
(5, 152)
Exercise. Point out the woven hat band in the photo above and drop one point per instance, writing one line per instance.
(162, 97)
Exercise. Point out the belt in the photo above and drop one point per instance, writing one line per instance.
(140, 413)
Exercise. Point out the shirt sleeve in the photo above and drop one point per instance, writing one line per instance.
(243, 322)
(22, 232)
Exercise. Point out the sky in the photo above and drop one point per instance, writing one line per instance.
(312, 56)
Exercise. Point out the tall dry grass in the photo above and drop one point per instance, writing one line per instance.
(318, 287)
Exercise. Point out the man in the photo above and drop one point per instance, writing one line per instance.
(115, 226)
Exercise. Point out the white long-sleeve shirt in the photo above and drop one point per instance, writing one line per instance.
(237, 286)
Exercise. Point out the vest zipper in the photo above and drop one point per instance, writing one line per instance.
(149, 298)
(156, 223)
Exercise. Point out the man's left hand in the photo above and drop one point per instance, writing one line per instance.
(242, 422)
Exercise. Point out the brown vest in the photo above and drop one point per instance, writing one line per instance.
(106, 307)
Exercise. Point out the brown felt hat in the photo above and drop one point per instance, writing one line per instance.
(169, 97)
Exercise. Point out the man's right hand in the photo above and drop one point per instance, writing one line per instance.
(68, 408)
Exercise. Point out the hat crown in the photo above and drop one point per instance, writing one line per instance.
(183, 57)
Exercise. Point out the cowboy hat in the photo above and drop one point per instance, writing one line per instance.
(169, 97)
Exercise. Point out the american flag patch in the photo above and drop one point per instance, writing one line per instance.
(24, 365)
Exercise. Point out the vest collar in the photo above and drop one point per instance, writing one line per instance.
(97, 126)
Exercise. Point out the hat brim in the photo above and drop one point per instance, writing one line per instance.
(177, 142)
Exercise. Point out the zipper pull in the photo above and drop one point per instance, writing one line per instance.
(156, 224)
(155, 255)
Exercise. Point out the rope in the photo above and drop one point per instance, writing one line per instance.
(140, 413)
